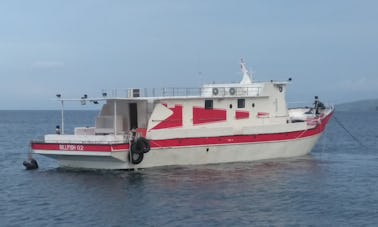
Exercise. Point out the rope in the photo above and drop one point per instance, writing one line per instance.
(300, 134)
(350, 134)
(324, 144)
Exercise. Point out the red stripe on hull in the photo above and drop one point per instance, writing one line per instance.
(79, 147)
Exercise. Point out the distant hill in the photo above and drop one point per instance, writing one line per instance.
(363, 105)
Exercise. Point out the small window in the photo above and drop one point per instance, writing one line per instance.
(241, 103)
(253, 105)
(230, 106)
(208, 104)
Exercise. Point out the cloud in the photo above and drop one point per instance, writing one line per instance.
(48, 65)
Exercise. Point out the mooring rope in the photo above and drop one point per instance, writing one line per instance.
(346, 130)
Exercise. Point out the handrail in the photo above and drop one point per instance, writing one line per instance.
(223, 91)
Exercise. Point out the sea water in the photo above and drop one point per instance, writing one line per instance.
(335, 185)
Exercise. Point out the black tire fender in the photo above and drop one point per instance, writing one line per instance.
(136, 157)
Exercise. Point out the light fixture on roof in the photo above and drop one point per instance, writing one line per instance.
(58, 96)
(104, 94)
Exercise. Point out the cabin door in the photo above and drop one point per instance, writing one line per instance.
(133, 115)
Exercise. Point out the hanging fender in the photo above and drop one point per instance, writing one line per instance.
(134, 156)
(138, 149)
(31, 164)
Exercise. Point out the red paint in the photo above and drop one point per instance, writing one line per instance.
(241, 114)
(173, 121)
(202, 115)
(142, 131)
(79, 147)
(262, 114)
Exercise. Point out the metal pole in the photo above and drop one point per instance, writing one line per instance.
(62, 113)
(115, 117)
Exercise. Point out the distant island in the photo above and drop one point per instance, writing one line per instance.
(363, 105)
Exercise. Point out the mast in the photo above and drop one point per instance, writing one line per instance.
(246, 76)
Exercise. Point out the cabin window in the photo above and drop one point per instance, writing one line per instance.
(208, 104)
(241, 103)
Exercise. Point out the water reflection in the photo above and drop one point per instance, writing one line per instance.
(201, 175)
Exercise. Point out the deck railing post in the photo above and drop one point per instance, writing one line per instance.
(62, 115)
(115, 118)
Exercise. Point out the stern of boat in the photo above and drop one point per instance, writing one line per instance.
(93, 149)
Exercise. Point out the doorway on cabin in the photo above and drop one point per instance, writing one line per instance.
(133, 115)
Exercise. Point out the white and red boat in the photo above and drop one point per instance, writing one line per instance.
(217, 123)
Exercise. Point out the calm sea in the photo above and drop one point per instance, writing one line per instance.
(336, 185)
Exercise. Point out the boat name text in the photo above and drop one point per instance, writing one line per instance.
(71, 147)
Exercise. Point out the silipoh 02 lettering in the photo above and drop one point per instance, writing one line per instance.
(71, 147)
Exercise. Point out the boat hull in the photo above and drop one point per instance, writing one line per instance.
(194, 155)
(229, 153)
(189, 151)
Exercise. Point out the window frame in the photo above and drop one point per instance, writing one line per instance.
(209, 104)
(241, 103)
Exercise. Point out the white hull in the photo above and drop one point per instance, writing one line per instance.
(195, 155)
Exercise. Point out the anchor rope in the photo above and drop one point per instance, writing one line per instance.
(347, 131)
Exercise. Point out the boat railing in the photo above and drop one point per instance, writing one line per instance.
(85, 139)
(151, 92)
(211, 91)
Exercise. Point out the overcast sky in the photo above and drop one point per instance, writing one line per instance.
(72, 47)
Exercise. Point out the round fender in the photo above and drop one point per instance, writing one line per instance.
(232, 91)
(32, 164)
(136, 157)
